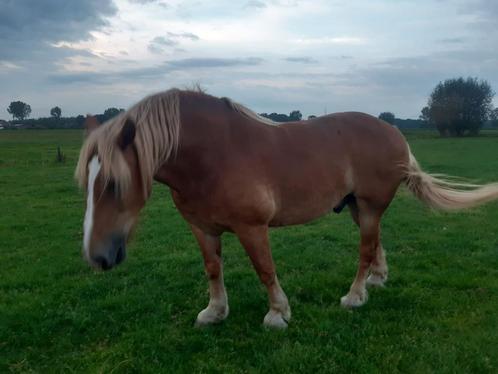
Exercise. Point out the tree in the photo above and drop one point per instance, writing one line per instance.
(388, 117)
(425, 114)
(311, 116)
(459, 106)
(112, 112)
(295, 115)
(494, 117)
(19, 110)
(56, 112)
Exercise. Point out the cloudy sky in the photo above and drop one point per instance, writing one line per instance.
(272, 55)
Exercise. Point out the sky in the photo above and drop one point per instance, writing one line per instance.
(317, 56)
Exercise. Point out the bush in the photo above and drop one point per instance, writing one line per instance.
(457, 107)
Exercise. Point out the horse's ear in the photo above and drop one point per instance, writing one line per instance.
(127, 134)
(90, 124)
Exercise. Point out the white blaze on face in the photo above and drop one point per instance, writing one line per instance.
(93, 171)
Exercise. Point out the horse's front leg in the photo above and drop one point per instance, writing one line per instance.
(217, 309)
(255, 241)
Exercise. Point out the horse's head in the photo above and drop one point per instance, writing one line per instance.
(110, 173)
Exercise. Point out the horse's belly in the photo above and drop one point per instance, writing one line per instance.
(305, 209)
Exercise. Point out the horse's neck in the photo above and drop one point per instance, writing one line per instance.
(210, 132)
(203, 120)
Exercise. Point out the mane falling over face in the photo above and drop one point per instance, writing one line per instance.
(113, 202)
(116, 167)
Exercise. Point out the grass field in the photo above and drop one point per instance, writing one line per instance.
(438, 313)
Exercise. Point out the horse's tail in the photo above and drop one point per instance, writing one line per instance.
(442, 193)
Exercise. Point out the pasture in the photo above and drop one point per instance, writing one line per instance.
(438, 313)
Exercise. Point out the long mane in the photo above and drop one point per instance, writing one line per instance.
(245, 111)
(157, 121)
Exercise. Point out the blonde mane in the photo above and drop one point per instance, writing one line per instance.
(245, 111)
(157, 125)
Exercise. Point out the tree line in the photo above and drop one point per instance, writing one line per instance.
(20, 112)
(455, 107)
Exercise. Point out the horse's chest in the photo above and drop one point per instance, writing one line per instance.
(197, 212)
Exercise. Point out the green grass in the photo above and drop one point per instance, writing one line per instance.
(438, 313)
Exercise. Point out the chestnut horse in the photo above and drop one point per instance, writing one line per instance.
(230, 170)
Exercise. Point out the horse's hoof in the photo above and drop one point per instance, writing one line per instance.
(376, 280)
(211, 316)
(275, 320)
(354, 299)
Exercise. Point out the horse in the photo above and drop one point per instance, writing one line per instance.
(230, 170)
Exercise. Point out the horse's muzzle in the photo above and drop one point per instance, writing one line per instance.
(113, 255)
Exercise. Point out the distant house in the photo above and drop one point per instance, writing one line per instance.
(3, 124)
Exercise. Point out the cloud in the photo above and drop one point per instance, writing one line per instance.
(160, 3)
(183, 35)
(52, 53)
(153, 72)
(29, 27)
(255, 4)
(6, 65)
(159, 44)
(144, 2)
(485, 9)
(452, 40)
(302, 60)
(331, 40)
(194, 63)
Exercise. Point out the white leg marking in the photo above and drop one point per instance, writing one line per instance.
(378, 269)
(355, 298)
(279, 315)
(217, 309)
(93, 171)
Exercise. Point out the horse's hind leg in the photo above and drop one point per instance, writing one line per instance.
(378, 267)
(217, 309)
(369, 222)
(255, 241)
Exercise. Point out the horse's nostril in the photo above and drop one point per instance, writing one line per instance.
(102, 262)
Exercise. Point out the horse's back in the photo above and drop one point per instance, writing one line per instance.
(319, 162)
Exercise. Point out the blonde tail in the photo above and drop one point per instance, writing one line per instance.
(440, 193)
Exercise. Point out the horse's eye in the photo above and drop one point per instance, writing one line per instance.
(111, 187)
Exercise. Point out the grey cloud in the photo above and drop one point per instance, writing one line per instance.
(147, 2)
(184, 35)
(485, 9)
(161, 40)
(153, 48)
(153, 72)
(144, 2)
(160, 43)
(192, 63)
(418, 75)
(302, 60)
(28, 27)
